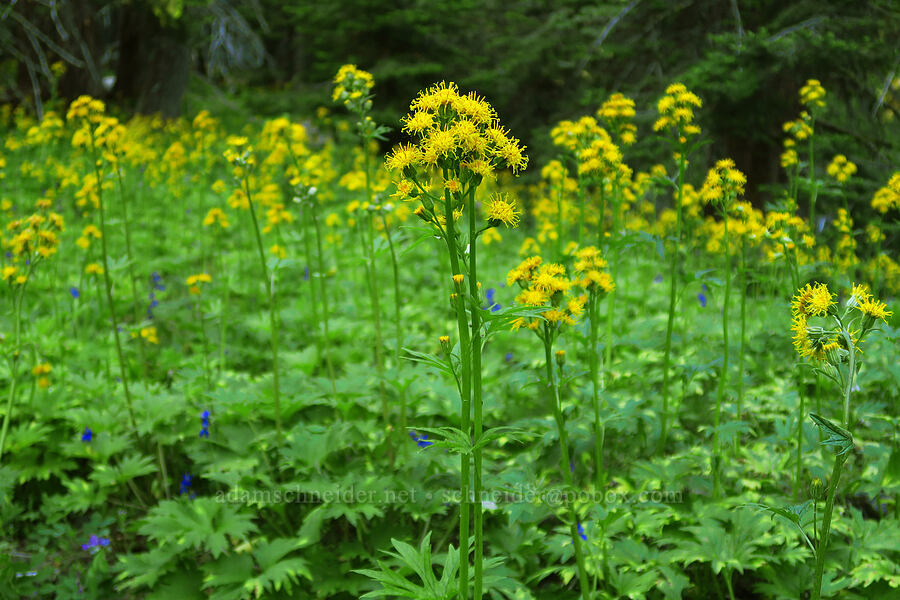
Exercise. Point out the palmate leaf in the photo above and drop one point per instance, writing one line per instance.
(838, 437)
(201, 524)
(420, 562)
(277, 571)
(791, 512)
(452, 438)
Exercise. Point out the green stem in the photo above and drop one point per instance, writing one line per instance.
(599, 426)
(581, 204)
(826, 526)
(369, 245)
(798, 478)
(108, 284)
(324, 291)
(743, 279)
(727, 576)
(13, 371)
(398, 334)
(273, 308)
(134, 295)
(314, 296)
(565, 462)
(723, 377)
(673, 261)
(814, 187)
(839, 460)
(610, 304)
(465, 399)
(476, 391)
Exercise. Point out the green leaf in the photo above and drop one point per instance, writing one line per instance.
(452, 438)
(838, 437)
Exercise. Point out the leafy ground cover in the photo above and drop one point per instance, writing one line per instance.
(267, 362)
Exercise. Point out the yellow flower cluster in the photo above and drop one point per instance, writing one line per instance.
(871, 308)
(798, 130)
(501, 210)
(351, 85)
(216, 216)
(602, 158)
(89, 231)
(31, 239)
(676, 112)
(618, 113)
(85, 107)
(888, 197)
(724, 183)
(456, 131)
(813, 94)
(41, 370)
(591, 268)
(812, 301)
(545, 285)
(576, 135)
(460, 144)
(841, 169)
(845, 249)
(194, 282)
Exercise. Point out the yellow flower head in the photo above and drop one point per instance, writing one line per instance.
(41, 369)
(812, 301)
(869, 306)
(813, 94)
(194, 282)
(502, 210)
(841, 169)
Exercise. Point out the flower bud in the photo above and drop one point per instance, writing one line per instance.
(561, 358)
(816, 489)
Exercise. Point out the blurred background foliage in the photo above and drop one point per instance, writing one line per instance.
(537, 61)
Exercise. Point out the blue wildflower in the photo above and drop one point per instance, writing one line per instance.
(489, 294)
(581, 532)
(305, 273)
(509, 356)
(157, 282)
(74, 291)
(186, 484)
(421, 441)
(87, 435)
(701, 297)
(658, 278)
(204, 424)
(95, 542)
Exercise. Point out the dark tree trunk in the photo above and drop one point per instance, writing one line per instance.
(154, 62)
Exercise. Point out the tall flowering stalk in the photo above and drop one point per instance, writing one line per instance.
(830, 339)
(618, 113)
(812, 95)
(241, 156)
(460, 143)
(291, 138)
(724, 183)
(545, 286)
(597, 284)
(32, 240)
(195, 285)
(676, 122)
(101, 136)
(352, 88)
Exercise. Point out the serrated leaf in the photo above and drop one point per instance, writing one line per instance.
(838, 437)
